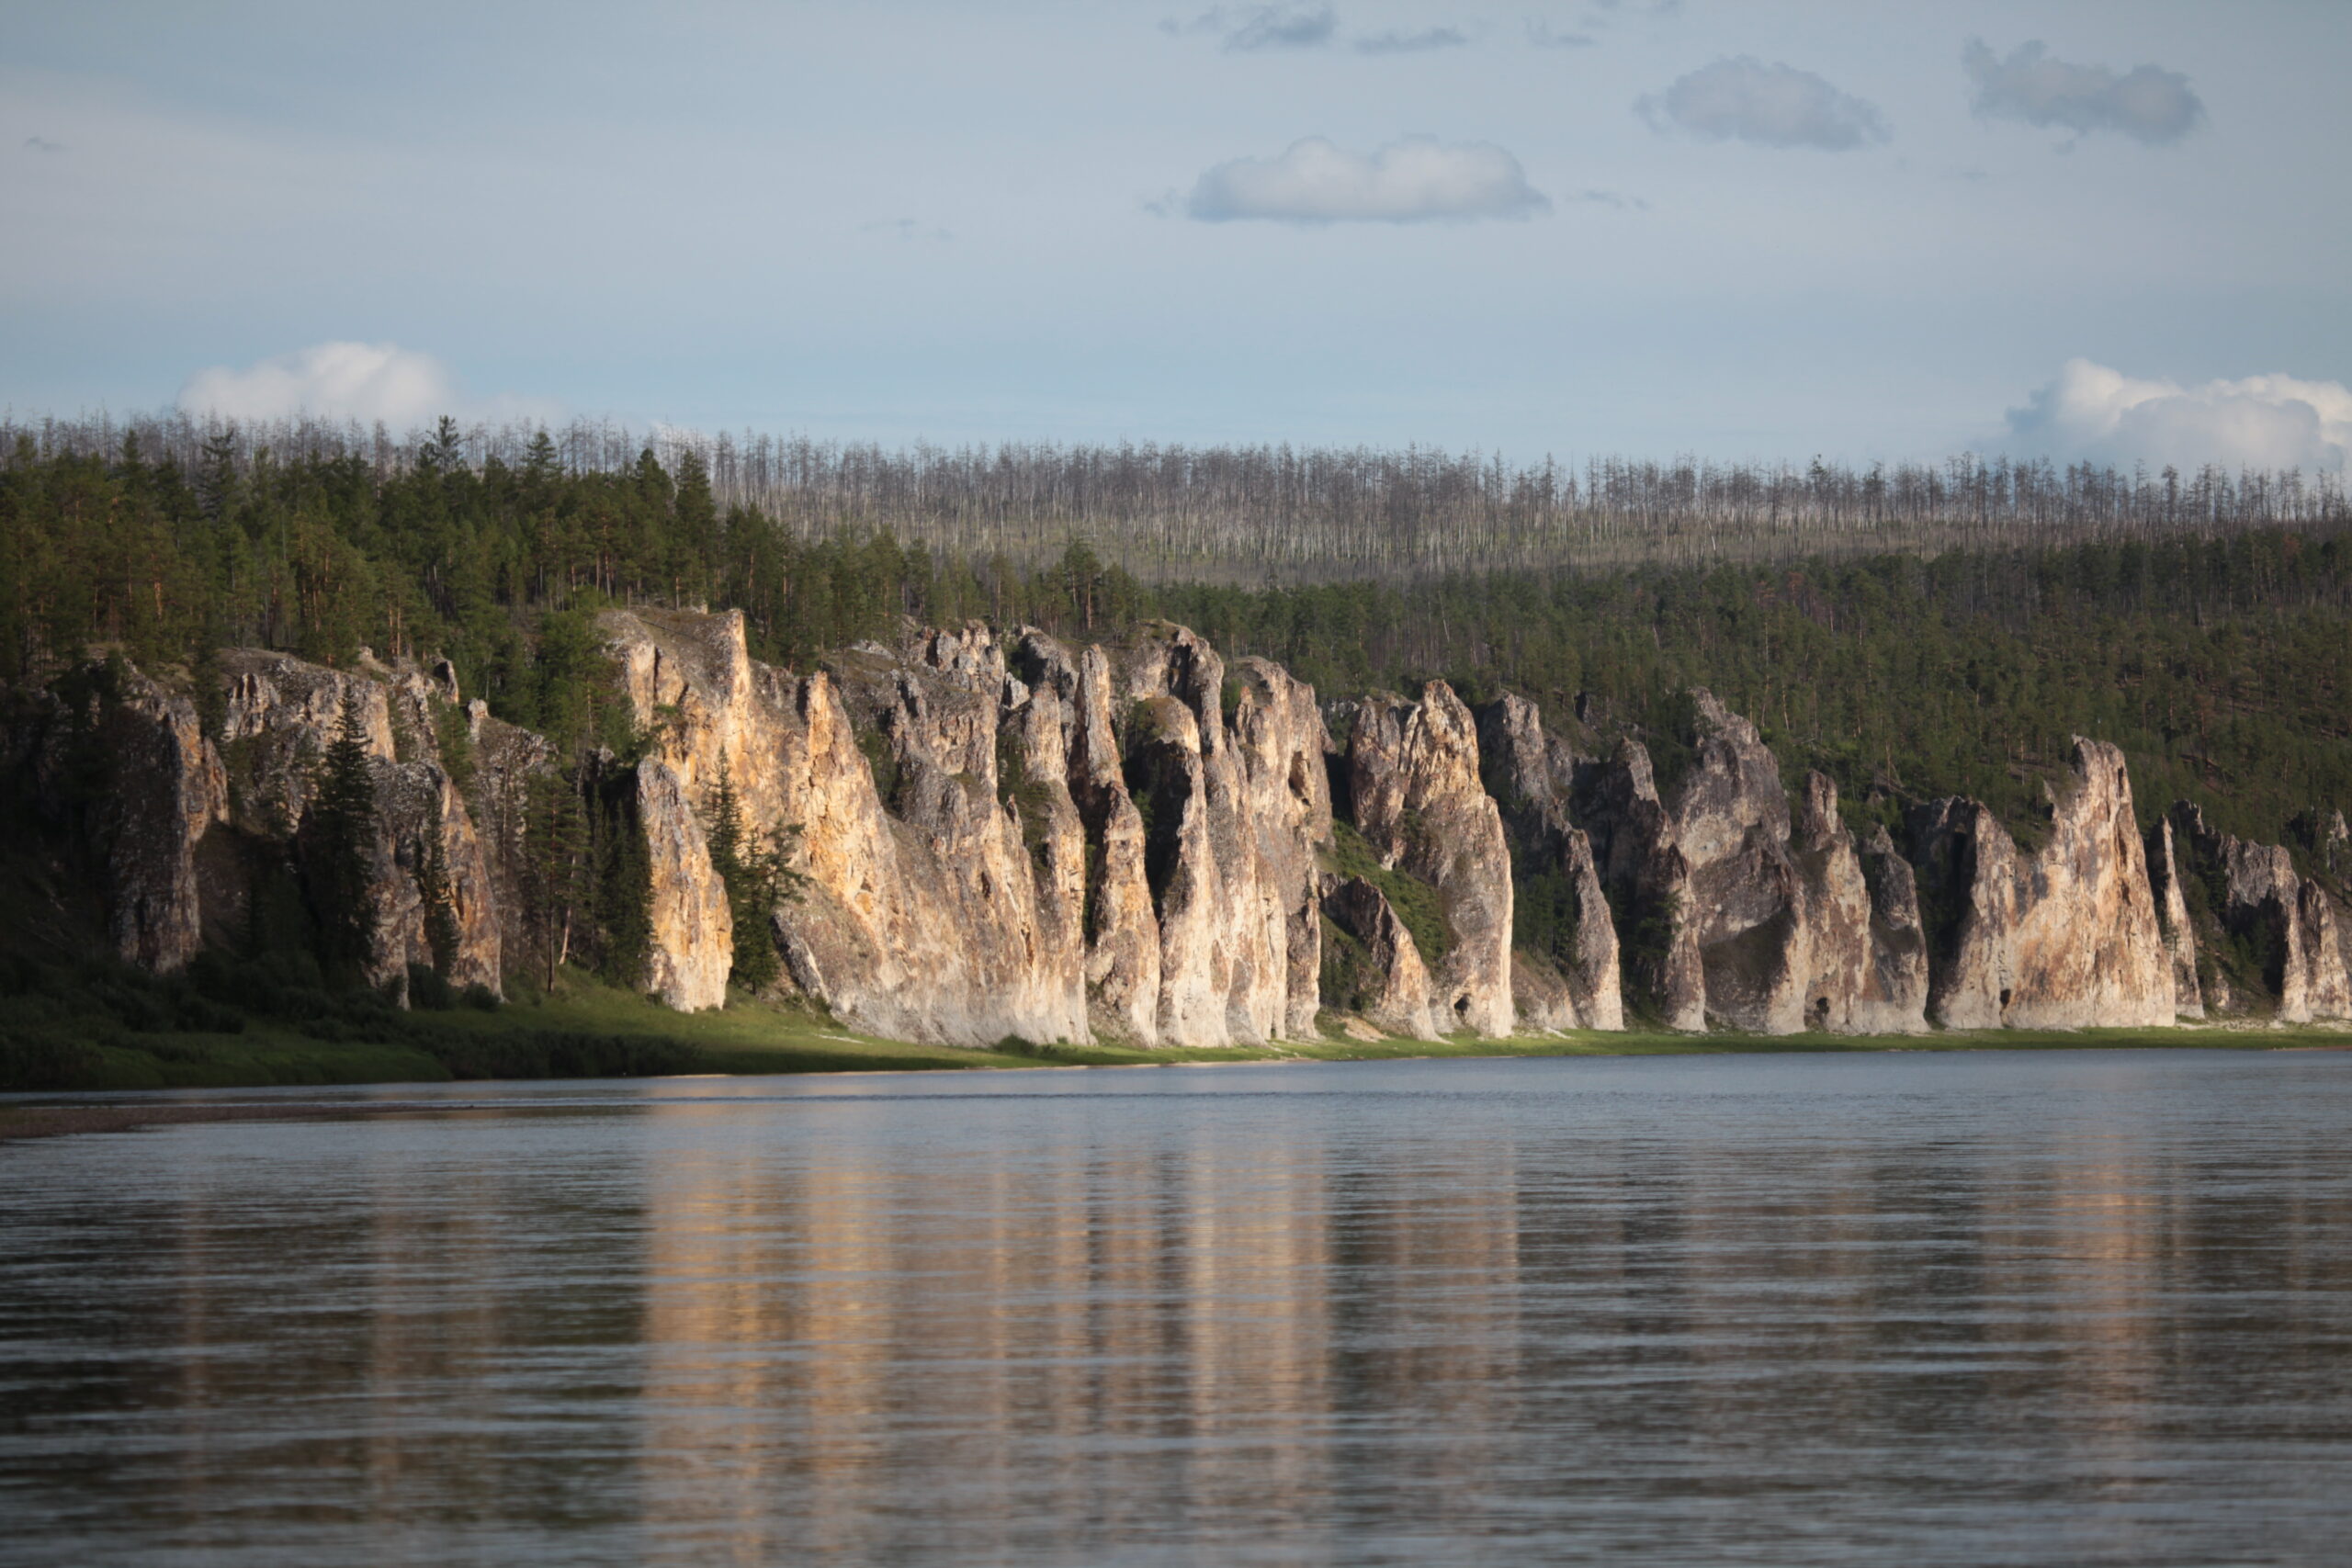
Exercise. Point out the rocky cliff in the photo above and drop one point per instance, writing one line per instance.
(1005, 838)
(1565, 966)
(2286, 927)
(193, 829)
(992, 834)
(2062, 936)
(1416, 795)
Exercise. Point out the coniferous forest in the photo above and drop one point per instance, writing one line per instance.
(1924, 631)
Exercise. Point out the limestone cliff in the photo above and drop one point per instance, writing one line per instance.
(921, 920)
(1639, 858)
(2287, 924)
(133, 755)
(1796, 928)
(1417, 798)
(988, 847)
(280, 716)
(1565, 970)
(1398, 999)
(1003, 835)
(2172, 919)
(2066, 936)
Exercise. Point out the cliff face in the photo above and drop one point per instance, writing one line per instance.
(1044, 846)
(2172, 919)
(2289, 921)
(280, 716)
(1418, 800)
(1400, 1002)
(1565, 973)
(1008, 836)
(1744, 912)
(2064, 937)
(165, 791)
(1638, 855)
(187, 826)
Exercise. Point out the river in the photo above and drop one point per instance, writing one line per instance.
(1949, 1308)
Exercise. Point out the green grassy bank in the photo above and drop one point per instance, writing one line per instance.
(586, 1030)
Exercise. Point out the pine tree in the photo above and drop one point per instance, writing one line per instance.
(339, 832)
(556, 869)
(437, 896)
(624, 895)
(752, 872)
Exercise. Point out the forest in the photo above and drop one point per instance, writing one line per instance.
(1912, 632)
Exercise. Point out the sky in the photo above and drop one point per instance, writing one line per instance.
(1743, 229)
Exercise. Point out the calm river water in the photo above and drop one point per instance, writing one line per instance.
(2067, 1307)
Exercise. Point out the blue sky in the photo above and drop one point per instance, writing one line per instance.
(1742, 230)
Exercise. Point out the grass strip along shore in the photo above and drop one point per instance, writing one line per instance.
(586, 1030)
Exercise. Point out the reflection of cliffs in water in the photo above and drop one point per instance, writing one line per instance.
(1533, 1307)
(991, 835)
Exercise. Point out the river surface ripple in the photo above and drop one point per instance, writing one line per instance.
(2062, 1308)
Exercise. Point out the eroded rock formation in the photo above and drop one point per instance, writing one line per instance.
(1005, 835)
(1048, 846)
(1399, 994)
(2064, 936)
(2287, 924)
(1417, 799)
(1565, 970)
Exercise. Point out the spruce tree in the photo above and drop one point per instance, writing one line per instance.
(751, 871)
(434, 892)
(624, 897)
(556, 868)
(339, 845)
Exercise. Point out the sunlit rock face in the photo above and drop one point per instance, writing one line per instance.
(1226, 768)
(1003, 835)
(2292, 924)
(1009, 838)
(882, 779)
(1413, 777)
(2066, 936)
(691, 944)
(1572, 981)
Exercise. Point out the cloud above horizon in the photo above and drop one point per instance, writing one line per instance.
(1742, 98)
(1395, 41)
(2262, 422)
(2148, 103)
(367, 382)
(1255, 30)
(1252, 28)
(1416, 180)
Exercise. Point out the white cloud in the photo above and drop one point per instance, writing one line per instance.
(1411, 181)
(1249, 28)
(2262, 422)
(2146, 104)
(1771, 106)
(1395, 41)
(364, 381)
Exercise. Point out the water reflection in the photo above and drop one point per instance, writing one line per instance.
(2042, 1308)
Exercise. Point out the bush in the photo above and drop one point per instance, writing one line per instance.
(43, 1059)
(428, 990)
(554, 1054)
